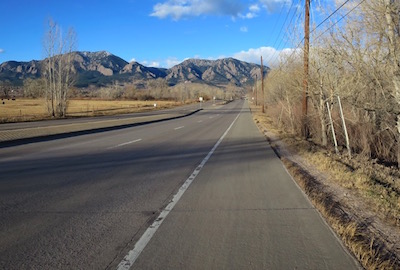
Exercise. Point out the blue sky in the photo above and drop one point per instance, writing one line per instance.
(157, 33)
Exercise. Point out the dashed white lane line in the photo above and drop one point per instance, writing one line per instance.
(126, 143)
(211, 117)
(179, 127)
(199, 121)
(130, 259)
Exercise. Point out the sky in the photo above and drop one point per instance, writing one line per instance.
(159, 33)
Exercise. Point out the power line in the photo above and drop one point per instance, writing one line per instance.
(279, 16)
(280, 32)
(276, 23)
(327, 18)
(298, 45)
(344, 16)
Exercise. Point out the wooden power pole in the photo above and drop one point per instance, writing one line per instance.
(306, 67)
(262, 85)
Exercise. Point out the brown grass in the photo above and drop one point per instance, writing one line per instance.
(35, 109)
(370, 251)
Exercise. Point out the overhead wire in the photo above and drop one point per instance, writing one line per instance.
(320, 24)
(344, 16)
(272, 56)
(276, 23)
(330, 15)
(288, 26)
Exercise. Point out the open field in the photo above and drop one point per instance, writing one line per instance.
(35, 109)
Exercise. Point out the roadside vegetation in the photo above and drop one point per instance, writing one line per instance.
(356, 60)
(354, 88)
(350, 194)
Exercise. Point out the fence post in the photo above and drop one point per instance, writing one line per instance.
(332, 128)
(344, 127)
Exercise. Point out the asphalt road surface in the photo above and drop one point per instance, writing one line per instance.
(84, 202)
(68, 121)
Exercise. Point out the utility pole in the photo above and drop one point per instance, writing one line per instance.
(306, 64)
(262, 85)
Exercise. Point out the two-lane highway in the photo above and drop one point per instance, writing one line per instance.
(84, 202)
(78, 202)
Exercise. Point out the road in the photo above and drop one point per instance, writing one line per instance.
(68, 121)
(84, 202)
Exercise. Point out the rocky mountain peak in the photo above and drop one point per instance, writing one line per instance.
(103, 67)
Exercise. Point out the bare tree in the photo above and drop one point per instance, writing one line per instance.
(34, 88)
(58, 68)
(392, 11)
(358, 60)
(6, 88)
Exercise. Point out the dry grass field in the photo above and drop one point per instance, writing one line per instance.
(35, 109)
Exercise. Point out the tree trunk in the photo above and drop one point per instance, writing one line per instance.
(324, 137)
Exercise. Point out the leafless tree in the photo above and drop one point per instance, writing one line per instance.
(58, 68)
(6, 88)
(34, 88)
(358, 60)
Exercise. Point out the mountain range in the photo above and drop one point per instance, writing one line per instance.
(102, 68)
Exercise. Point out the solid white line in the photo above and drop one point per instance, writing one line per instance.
(122, 144)
(179, 127)
(131, 257)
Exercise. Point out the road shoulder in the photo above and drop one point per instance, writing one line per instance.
(374, 243)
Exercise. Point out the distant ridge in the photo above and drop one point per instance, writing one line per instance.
(102, 68)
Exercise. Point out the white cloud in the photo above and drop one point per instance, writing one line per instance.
(252, 13)
(154, 64)
(172, 61)
(150, 63)
(177, 9)
(2, 50)
(244, 29)
(274, 5)
(248, 15)
(271, 56)
(186, 8)
(254, 8)
(132, 60)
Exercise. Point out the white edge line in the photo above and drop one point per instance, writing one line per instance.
(122, 144)
(133, 254)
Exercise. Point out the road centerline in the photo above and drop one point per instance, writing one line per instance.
(123, 144)
(133, 254)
